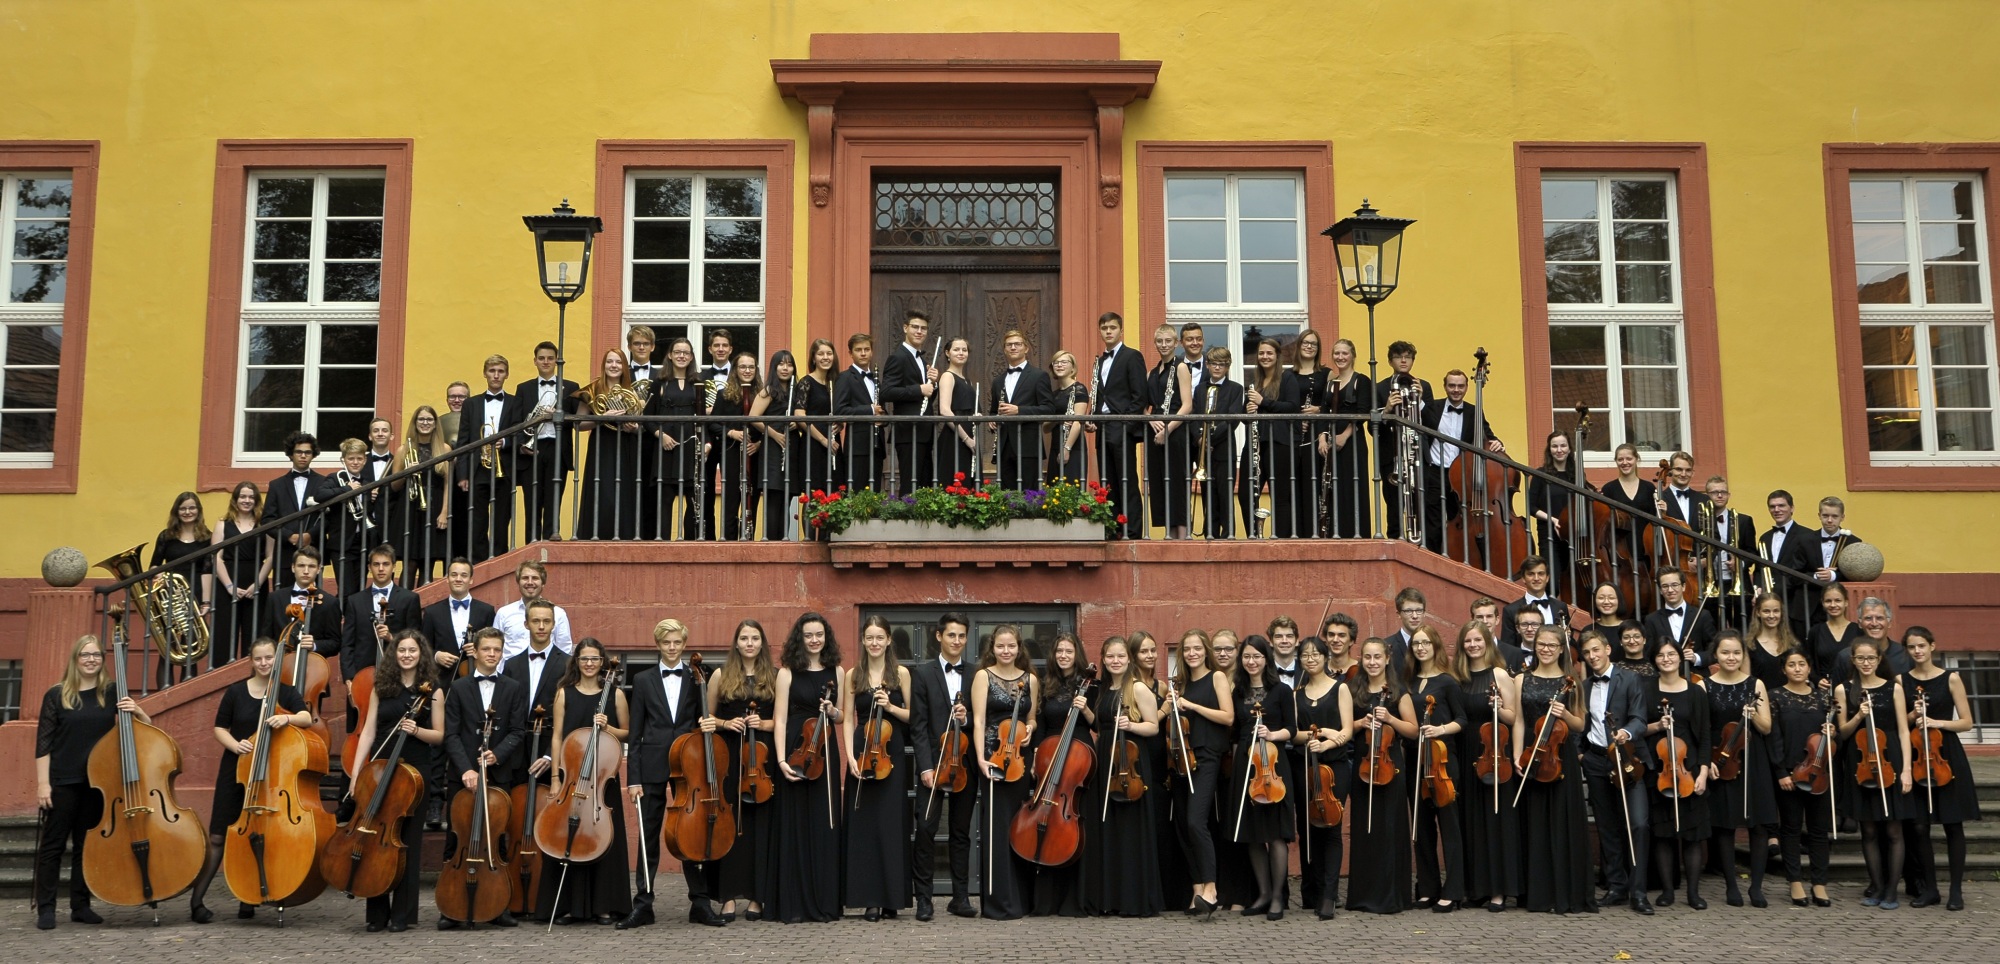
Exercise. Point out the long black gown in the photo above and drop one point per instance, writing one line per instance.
(400, 904)
(1168, 463)
(1161, 787)
(812, 461)
(676, 470)
(1491, 824)
(1122, 849)
(1869, 801)
(741, 480)
(1556, 876)
(1321, 852)
(1352, 515)
(950, 451)
(1058, 891)
(1006, 877)
(1245, 820)
(808, 880)
(1725, 797)
(878, 819)
(748, 870)
(1690, 724)
(601, 887)
(1378, 876)
(608, 495)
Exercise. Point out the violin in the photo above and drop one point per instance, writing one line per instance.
(1124, 785)
(1487, 533)
(1381, 767)
(753, 780)
(361, 690)
(1322, 803)
(874, 762)
(952, 746)
(1928, 765)
(578, 823)
(1494, 766)
(1264, 784)
(366, 858)
(1544, 762)
(1733, 745)
(700, 826)
(271, 853)
(1048, 830)
(148, 847)
(473, 885)
(1180, 758)
(815, 740)
(528, 801)
(1673, 543)
(1013, 737)
(1814, 774)
(1436, 785)
(303, 664)
(1675, 780)
(1873, 769)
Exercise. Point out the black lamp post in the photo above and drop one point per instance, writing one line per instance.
(562, 253)
(1370, 249)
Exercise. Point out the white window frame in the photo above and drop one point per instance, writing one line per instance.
(1232, 316)
(1609, 314)
(311, 314)
(695, 314)
(25, 314)
(1920, 316)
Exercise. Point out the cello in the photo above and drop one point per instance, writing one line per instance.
(1048, 830)
(527, 801)
(578, 823)
(473, 885)
(271, 854)
(1487, 532)
(701, 825)
(367, 858)
(361, 690)
(304, 664)
(148, 847)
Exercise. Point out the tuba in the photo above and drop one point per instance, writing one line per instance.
(167, 603)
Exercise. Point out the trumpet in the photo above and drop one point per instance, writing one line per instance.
(167, 604)
(489, 459)
(355, 509)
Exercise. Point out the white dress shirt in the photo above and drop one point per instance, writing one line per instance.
(672, 683)
(1450, 421)
(953, 682)
(512, 619)
(1600, 699)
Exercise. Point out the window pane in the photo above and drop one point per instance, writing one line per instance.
(1889, 345)
(1271, 283)
(29, 388)
(1197, 241)
(273, 388)
(1645, 284)
(28, 432)
(735, 197)
(1894, 432)
(1196, 283)
(41, 240)
(1268, 240)
(1958, 344)
(1641, 242)
(344, 425)
(1951, 388)
(1652, 388)
(1195, 197)
(660, 282)
(1948, 242)
(734, 240)
(1649, 344)
(1267, 197)
(285, 197)
(1951, 284)
(1576, 345)
(346, 388)
(353, 239)
(1944, 201)
(1881, 242)
(42, 197)
(347, 345)
(1654, 431)
(34, 344)
(1890, 387)
(1596, 440)
(663, 197)
(1570, 241)
(266, 431)
(354, 197)
(38, 284)
(654, 240)
(283, 240)
(1586, 385)
(1639, 200)
(354, 281)
(1965, 431)
(731, 283)
(277, 344)
(1883, 284)
(278, 283)
(1575, 284)
(1876, 200)
(1569, 200)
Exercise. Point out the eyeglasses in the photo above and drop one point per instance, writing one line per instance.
(1867, 659)
(590, 659)
(1411, 612)
(90, 656)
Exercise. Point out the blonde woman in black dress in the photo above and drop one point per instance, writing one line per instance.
(878, 823)
(1947, 713)
(76, 714)
(1004, 689)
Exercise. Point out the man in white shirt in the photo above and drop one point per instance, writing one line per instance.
(512, 619)
(1284, 635)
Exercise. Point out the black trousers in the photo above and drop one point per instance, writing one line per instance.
(701, 879)
(1440, 504)
(1438, 829)
(74, 809)
(491, 532)
(1624, 869)
(1118, 471)
(1192, 809)
(399, 906)
(1803, 815)
(542, 479)
(916, 456)
(958, 808)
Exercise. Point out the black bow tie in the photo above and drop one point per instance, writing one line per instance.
(1829, 538)
(1676, 611)
(301, 474)
(548, 381)
(494, 396)
(1606, 678)
(954, 668)
(535, 656)
(1017, 370)
(676, 671)
(1456, 409)
(1538, 602)
(484, 679)
(372, 457)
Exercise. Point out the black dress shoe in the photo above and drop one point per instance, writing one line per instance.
(245, 911)
(505, 920)
(565, 920)
(961, 907)
(1639, 906)
(888, 913)
(702, 914)
(200, 914)
(1757, 900)
(374, 928)
(1612, 900)
(447, 924)
(1326, 908)
(871, 915)
(1666, 898)
(639, 917)
(1443, 908)
(1277, 912)
(753, 915)
(924, 911)
(1924, 900)
(397, 927)
(1957, 901)
(1496, 907)
(45, 919)
(84, 915)
(1696, 903)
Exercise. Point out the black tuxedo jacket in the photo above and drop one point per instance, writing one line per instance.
(1385, 448)
(281, 501)
(1696, 514)
(1735, 528)
(1624, 709)
(437, 626)
(472, 428)
(1124, 393)
(1696, 631)
(1221, 435)
(930, 708)
(655, 724)
(358, 647)
(462, 719)
(1035, 394)
(1799, 550)
(323, 623)
(902, 382)
(527, 396)
(1557, 609)
(544, 696)
(850, 393)
(1399, 648)
(1433, 416)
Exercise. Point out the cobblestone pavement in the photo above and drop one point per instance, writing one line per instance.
(330, 930)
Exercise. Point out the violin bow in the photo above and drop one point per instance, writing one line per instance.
(1249, 764)
(1875, 739)
(1423, 774)
(1673, 759)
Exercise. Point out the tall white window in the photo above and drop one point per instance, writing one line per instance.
(1926, 318)
(312, 283)
(1235, 258)
(695, 259)
(34, 261)
(1611, 245)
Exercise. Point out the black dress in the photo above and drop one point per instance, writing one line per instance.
(400, 904)
(236, 620)
(1685, 818)
(677, 470)
(1121, 837)
(1766, 667)
(1438, 828)
(1058, 891)
(1006, 877)
(748, 870)
(1378, 821)
(1725, 797)
(238, 714)
(609, 494)
(878, 816)
(1310, 466)
(813, 462)
(741, 490)
(418, 538)
(1550, 499)
(1957, 801)
(1162, 783)
(1247, 821)
(1628, 530)
(1871, 804)
(1072, 467)
(603, 886)
(781, 488)
(953, 455)
(1350, 468)
(808, 879)
(1490, 822)
(191, 561)
(1556, 875)
(1827, 653)
(1321, 853)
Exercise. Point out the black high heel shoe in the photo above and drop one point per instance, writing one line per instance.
(1203, 908)
(1820, 901)
(1326, 909)
(200, 914)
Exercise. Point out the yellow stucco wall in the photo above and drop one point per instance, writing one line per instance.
(1422, 102)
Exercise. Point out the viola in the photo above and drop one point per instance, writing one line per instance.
(753, 781)
(815, 741)
(1124, 784)
(1264, 784)
(1675, 779)
(951, 773)
(701, 826)
(148, 847)
(1013, 738)
(1048, 830)
(874, 762)
(1180, 757)
(1814, 773)
(360, 689)
(578, 823)
(1436, 785)
(528, 800)
(271, 853)
(473, 885)
(302, 668)
(1873, 769)
(1322, 803)
(1543, 762)
(1379, 770)
(366, 858)
(1494, 766)
(1487, 532)
(1928, 765)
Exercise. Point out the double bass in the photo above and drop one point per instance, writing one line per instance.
(527, 801)
(301, 667)
(1048, 829)
(1487, 532)
(1598, 555)
(701, 825)
(148, 847)
(474, 884)
(360, 690)
(271, 854)
(578, 823)
(367, 858)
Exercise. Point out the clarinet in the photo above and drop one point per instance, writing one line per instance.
(1256, 472)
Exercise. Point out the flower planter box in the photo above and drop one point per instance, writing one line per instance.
(1016, 530)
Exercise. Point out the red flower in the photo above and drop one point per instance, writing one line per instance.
(1121, 518)
(1100, 498)
(958, 476)
(983, 495)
